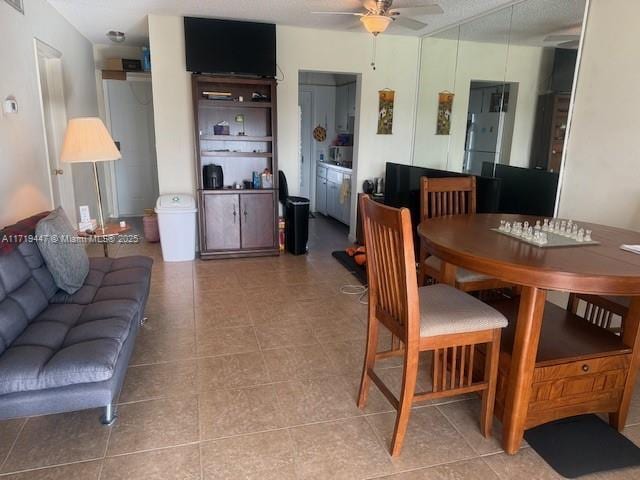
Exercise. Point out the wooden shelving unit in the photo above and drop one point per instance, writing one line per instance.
(236, 222)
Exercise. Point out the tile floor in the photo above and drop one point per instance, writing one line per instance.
(248, 369)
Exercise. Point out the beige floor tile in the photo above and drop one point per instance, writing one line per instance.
(633, 433)
(465, 416)
(232, 412)
(262, 456)
(231, 371)
(344, 449)
(634, 408)
(274, 311)
(57, 439)
(75, 471)
(167, 464)
(297, 362)
(525, 464)
(326, 306)
(285, 335)
(9, 430)
(376, 401)
(340, 328)
(222, 314)
(211, 283)
(213, 341)
(347, 356)
(316, 400)
(430, 439)
(166, 302)
(158, 344)
(154, 424)
(170, 320)
(464, 470)
(146, 382)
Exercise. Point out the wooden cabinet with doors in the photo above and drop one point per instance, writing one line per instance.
(238, 223)
(235, 129)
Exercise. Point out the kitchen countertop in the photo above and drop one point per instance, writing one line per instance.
(335, 167)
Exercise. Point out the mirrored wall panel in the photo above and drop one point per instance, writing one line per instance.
(495, 91)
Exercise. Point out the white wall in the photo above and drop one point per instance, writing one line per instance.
(297, 49)
(347, 52)
(172, 106)
(449, 66)
(24, 178)
(602, 169)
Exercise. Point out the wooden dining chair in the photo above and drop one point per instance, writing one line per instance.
(450, 196)
(437, 318)
(606, 312)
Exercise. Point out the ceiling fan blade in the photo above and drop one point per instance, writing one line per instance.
(409, 23)
(357, 25)
(339, 13)
(417, 11)
(573, 44)
(561, 38)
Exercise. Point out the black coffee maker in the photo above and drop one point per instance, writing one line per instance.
(213, 178)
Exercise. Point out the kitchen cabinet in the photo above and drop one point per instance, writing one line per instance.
(321, 190)
(329, 180)
(341, 109)
(238, 223)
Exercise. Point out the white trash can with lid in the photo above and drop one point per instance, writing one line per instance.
(177, 222)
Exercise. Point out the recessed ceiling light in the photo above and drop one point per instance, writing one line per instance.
(115, 36)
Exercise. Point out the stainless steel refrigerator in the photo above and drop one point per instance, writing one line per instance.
(484, 140)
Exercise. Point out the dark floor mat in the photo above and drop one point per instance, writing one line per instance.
(350, 264)
(582, 445)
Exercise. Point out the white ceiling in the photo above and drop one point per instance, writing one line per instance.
(527, 23)
(95, 17)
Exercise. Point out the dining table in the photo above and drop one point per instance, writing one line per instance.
(470, 242)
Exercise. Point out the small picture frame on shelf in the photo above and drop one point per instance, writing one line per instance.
(17, 4)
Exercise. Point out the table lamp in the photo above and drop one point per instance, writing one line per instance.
(88, 140)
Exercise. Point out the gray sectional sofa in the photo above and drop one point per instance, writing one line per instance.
(61, 352)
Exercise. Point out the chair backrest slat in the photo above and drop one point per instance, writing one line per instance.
(447, 196)
(391, 269)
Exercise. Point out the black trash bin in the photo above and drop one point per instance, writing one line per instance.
(296, 231)
(296, 217)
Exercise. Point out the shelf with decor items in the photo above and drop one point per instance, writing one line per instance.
(239, 138)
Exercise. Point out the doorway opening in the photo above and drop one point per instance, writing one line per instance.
(328, 106)
(54, 121)
(131, 183)
(490, 121)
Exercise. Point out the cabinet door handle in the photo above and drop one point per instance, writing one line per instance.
(245, 214)
(234, 214)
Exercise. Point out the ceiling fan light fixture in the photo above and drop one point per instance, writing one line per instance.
(376, 24)
(115, 36)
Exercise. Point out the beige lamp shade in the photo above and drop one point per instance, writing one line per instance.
(88, 140)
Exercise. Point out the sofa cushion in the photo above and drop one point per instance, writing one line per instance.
(21, 297)
(66, 260)
(67, 344)
(109, 272)
(31, 254)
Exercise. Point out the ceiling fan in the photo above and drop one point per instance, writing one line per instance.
(379, 14)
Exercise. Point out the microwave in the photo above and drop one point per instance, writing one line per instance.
(341, 155)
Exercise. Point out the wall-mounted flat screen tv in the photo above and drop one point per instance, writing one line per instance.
(230, 47)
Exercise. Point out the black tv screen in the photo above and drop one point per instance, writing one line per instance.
(230, 47)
